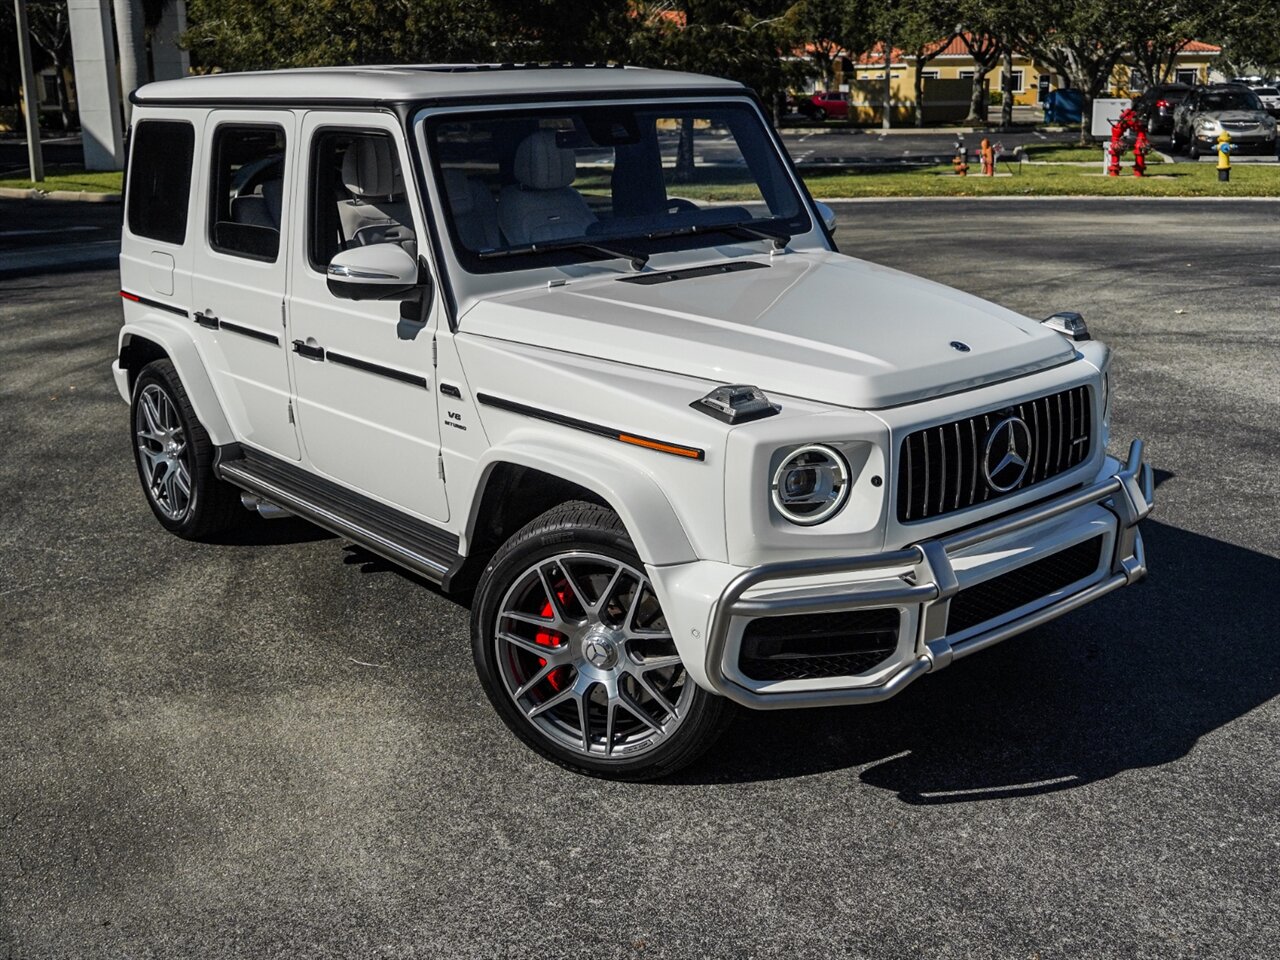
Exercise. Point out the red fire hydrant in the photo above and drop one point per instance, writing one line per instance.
(988, 158)
(1140, 148)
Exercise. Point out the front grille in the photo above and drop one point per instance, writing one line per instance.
(1009, 591)
(941, 468)
(811, 645)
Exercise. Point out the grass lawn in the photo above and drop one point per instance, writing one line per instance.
(71, 178)
(1071, 153)
(1180, 180)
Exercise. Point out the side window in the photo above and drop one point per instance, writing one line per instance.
(246, 190)
(160, 179)
(356, 196)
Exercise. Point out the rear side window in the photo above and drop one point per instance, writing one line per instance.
(247, 190)
(160, 179)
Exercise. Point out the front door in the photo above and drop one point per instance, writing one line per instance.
(239, 272)
(363, 371)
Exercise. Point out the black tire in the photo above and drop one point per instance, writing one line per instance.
(573, 527)
(213, 506)
(1193, 148)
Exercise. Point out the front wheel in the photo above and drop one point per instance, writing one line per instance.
(573, 650)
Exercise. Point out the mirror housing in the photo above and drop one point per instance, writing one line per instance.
(379, 271)
(828, 216)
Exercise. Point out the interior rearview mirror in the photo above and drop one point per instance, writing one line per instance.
(379, 271)
(828, 216)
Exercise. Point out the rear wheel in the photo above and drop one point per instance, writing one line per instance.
(574, 651)
(174, 457)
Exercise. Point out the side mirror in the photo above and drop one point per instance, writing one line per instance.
(380, 271)
(828, 216)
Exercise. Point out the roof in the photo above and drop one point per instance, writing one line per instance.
(424, 82)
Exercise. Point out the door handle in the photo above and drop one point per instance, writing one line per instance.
(206, 319)
(303, 349)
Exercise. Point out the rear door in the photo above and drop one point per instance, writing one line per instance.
(363, 371)
(238, 286)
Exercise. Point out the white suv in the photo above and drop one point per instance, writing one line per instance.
(577, 341)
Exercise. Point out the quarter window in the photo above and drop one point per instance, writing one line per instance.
(247, 190)
(160, 179)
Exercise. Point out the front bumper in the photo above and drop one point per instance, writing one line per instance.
(922, 580)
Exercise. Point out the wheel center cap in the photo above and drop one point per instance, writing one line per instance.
(599, 650)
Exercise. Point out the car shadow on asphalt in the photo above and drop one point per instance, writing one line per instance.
(1132, 681)
(260, 532)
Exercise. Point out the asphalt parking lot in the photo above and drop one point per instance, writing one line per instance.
(275, 745)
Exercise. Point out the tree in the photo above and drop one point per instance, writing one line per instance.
(830, 28)
(1082, 40)
(925, 31)
(50, 28)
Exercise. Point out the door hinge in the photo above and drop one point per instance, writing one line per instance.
(435, 353)
(291, 420)
(283, 315)
(440, 464)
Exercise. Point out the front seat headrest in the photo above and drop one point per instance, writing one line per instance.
(458, 189)
(367, 169)
(541, 164)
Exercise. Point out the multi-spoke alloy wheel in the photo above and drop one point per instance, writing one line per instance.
(163, 455)
(575, 652)
(175, 457)
(586, 655)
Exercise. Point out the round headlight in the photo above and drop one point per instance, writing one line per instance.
(811, 485)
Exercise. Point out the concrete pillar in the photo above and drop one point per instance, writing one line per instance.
(97, 85)
(168, 60)
(131, 41)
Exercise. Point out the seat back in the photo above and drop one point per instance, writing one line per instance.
(377, 211)
(541, 205)
(475, 212)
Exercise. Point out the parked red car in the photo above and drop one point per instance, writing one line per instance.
(823, 104)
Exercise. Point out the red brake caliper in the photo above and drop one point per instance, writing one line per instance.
(549, 638)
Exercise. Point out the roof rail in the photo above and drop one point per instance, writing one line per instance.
(532, 65)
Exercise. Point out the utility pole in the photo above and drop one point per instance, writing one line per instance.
(35, 156)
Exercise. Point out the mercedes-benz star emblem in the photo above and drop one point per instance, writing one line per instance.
(1008, 454)
(960, 345)
(598, 652)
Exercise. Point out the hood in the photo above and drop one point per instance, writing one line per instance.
(1235, 116)
(816, 325)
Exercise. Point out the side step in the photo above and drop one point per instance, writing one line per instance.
(407, 541)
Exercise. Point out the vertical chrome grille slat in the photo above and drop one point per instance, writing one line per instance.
(936, 458)
(942, 469)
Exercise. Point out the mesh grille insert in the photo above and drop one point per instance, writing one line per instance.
(997, 596)
(818, 645)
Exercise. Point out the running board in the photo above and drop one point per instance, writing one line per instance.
(392, 535)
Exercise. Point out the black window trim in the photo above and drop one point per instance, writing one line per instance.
(126, 180)
(211, 207)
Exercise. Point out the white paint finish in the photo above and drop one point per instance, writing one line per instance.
(251, 376)
(371, 84)
(160, 272)
(97, 84)
(629, 399)
(371, 433)
(815, 324)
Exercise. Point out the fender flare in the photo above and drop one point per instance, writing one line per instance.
(645, 511)
(185, 357)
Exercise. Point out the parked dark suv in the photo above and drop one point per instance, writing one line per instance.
(1155, 107)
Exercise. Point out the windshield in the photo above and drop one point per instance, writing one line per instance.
(536, 188)
(1230, 100)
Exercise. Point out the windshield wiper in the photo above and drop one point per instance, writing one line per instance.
(743, 229)
(638, 260)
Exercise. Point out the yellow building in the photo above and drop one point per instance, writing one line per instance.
(862, 78)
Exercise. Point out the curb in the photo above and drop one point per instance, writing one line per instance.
(81, 196)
